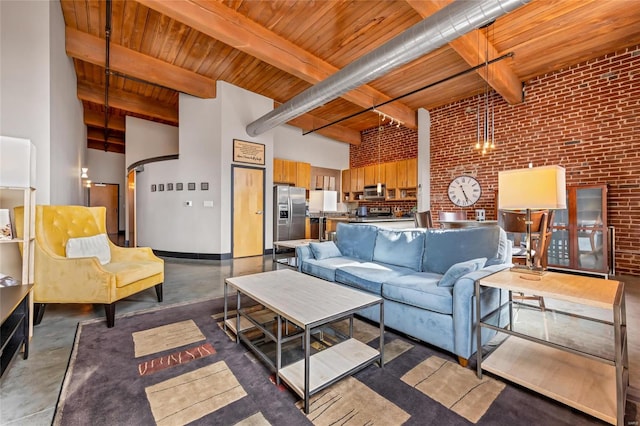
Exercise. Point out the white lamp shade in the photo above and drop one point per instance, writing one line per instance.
(323, 201)
(532, 188)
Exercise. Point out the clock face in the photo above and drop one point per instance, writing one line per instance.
(464, 191)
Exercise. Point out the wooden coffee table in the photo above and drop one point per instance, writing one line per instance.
(297, 305)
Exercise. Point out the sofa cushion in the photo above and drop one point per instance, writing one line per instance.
(369, 276)
(356, 240)
(459, 269)
(94, 246)
(445, 247)
(326, 268)
(325, 250)
(130, 272)
(421, 290)
(402, 248)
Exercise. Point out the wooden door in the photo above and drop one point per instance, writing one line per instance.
(248, 211)
(106, 194)
(131, 210)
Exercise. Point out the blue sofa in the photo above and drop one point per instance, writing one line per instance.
(425, 276)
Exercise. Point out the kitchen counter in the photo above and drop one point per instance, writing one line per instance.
(369, 219)
(382, 221)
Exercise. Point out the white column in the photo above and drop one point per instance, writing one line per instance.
(424, 160)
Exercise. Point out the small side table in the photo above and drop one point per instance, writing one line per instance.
(14, 316)
(579, 359)
(291, 244)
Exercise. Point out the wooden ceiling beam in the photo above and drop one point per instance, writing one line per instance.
(89, 48)
(96, 119)
(471, 47)
(110, 147)
(129, 102)
(230, 27)
(98, 135)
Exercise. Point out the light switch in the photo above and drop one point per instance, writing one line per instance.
(207, 203)
(188, 203)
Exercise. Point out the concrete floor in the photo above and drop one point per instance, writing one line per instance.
(29, 388)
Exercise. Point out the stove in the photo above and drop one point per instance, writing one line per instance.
(379, 212)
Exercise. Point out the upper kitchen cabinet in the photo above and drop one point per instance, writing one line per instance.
(303, 175)
(357, 179)
(285, 171)
(407, 173)
(346, 184)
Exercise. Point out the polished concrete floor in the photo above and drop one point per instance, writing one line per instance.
(29, 388)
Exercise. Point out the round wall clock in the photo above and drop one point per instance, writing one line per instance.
(464, 191)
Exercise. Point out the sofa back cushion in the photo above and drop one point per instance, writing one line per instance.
(445, 247)
(401, 248)
(356, 240)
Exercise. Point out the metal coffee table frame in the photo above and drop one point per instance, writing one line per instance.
(287, 293)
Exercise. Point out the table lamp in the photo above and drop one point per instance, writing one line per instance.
(533, 188)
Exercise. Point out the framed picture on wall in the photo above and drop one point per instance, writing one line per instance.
(161, 187)
(153, 187)
(248, 152)
(191, 186)
(169, 187)
(204, 186)
(179, 186)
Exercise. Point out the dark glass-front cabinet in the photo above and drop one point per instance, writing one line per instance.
(580, 239)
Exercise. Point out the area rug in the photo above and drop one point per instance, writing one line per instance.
(175, 365)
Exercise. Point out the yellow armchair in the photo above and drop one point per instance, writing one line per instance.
(59, 279)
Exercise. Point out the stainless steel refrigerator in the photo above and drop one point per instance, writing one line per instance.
(289, 212)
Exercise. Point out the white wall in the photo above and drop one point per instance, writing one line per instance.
(24, 81)
(207, 130)
(38, 102)
(147, 139)
(290, 144)
(108, 167)
(68, 131)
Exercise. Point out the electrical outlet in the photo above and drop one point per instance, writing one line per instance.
(188, 203)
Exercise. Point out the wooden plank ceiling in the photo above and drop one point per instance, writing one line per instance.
(278, 48)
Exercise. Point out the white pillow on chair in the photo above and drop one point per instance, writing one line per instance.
(96, 246)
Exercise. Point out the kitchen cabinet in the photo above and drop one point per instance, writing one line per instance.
(346, 180)
(390, 174)
(346, 184)
(412, 172)
(580, 238)
(407, 173)
(278, 170)
(357, 179)
(285, 171)
(303, 175)
(373, 174)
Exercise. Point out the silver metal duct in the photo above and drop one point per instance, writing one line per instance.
(447, 24)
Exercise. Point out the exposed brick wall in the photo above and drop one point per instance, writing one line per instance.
(393, 144)
(585, 118)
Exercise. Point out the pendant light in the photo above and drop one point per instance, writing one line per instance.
(379, 186)
(485, 112)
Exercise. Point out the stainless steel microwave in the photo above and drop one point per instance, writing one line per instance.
(371, 193)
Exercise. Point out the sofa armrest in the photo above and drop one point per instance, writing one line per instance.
(303, 253)
(59, 279)
(464, 309)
